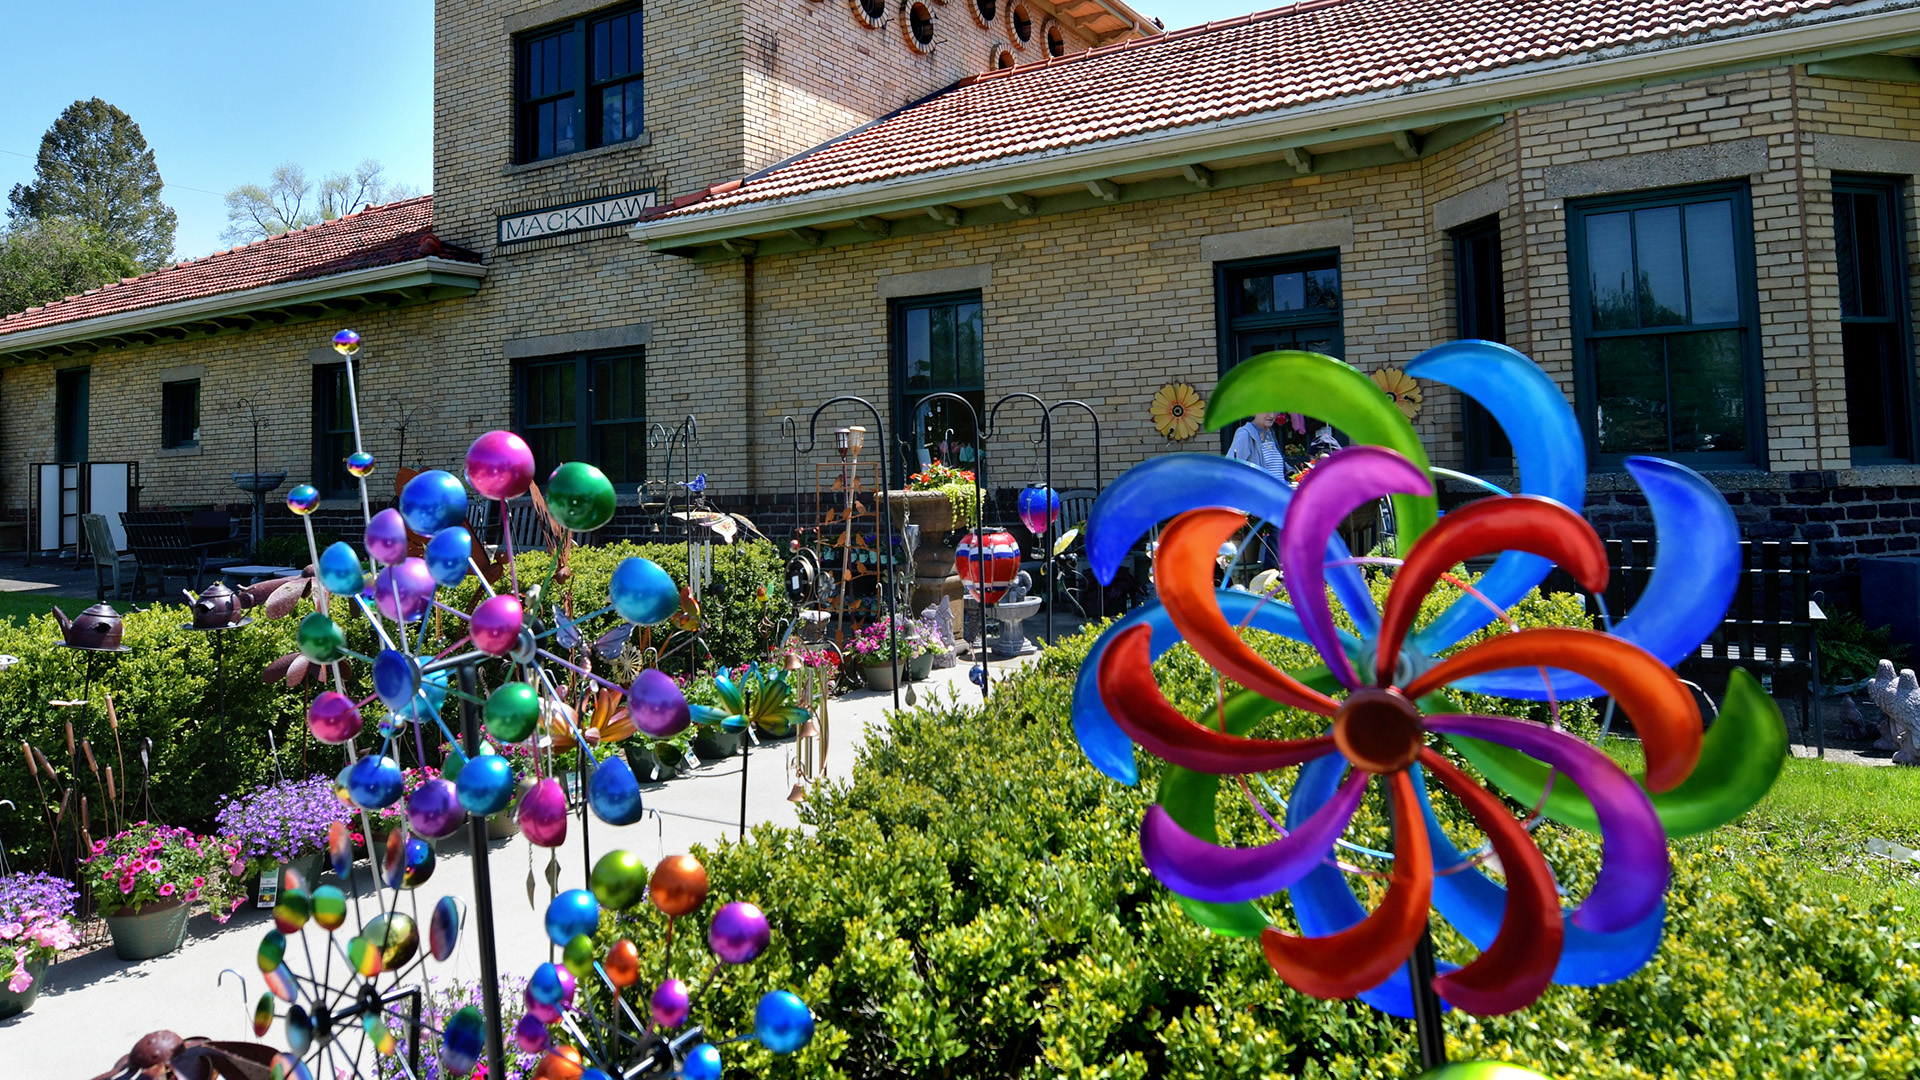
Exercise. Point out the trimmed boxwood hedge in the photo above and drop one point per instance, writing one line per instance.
(973, 904)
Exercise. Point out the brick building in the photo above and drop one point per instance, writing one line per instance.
(1693, 213)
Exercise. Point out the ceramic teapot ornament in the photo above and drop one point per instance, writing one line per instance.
(97, 629)
(217, 607)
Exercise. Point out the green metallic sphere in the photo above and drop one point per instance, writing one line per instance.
(580, 496)
(619, 880)
(578, 956)
(512, 712)
(321, 639)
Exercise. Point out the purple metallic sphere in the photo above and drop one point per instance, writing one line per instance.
(496, 624)
(434, 809)
(386, 537)
(657, 705)
(500, 465)
(402, 591)
(739, 932)
(530, 1034)
(671, 1004)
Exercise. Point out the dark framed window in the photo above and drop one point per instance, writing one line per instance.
(180, 414)
(1263, 305)
(587, 407)
(1665, 325)
(1875, 330)
(1481, 308)
(938, 347)
(70, 397)
(579, 85)
(332, 431)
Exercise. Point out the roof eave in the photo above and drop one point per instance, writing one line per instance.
(397, 284)
(1800, 41)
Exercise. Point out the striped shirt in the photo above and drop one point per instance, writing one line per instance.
(1260, 448)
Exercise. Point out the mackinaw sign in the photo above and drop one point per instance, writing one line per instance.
(575, 217)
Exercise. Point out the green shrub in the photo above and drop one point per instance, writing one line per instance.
(973, 904)
(1851, 651)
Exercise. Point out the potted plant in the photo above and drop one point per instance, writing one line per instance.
(284, 825)
(34, 930)
(875, 650)
(942, 500)
(145, 880)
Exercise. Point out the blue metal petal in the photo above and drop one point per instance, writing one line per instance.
(1697, 569)
(1105, 745)
(1547, 446)
(1163, 487)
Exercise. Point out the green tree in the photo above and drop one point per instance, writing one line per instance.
(95, 168)
(41, 261)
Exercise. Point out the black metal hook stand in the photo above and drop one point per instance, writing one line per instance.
(890, 605)
(1094, 419)
(1045, 441)
(220, 678)
(924, 408)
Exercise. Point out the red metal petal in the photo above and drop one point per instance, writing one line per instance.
(1662, 710)
(1513, 972)
(1183, 571)
(1364, 956)
(1501, 523)
(1131, 694)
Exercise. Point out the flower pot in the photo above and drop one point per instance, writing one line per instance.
(920, 667)
(714, 743)
(308, 866)
(12, 1004)
(878, 676)
(502, 825)
(672, 761)
(641, 759)
(148, 931)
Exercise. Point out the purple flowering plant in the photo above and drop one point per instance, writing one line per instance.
(34, 926)
(278, 823)
(876, 644)
(446, 995)
(151, 863)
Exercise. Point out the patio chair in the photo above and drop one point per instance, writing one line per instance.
(529, 528)
(106, 558)
(162, 547)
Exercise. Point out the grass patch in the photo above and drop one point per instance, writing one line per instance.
(21, 607)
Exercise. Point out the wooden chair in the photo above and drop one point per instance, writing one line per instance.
(530, 529)
(106, 557)
(162, 546)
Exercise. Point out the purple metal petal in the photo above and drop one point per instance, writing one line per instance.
(1329, 492)
(1633, 864)
(1200, 870)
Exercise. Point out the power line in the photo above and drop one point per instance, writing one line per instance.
(167, 183)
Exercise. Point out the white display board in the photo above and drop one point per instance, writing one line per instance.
(109, 485)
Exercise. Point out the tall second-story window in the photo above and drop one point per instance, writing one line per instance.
(579, 85)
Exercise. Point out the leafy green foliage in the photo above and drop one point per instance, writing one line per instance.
(973, 904)
(94, 167)
(1851, 651)
(42, 261)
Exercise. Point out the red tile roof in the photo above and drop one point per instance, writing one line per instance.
(1308, 53)
(377, 236)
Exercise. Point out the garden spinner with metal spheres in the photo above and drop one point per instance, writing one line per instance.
(395, 590)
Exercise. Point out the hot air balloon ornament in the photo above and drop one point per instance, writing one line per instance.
(1386, 696)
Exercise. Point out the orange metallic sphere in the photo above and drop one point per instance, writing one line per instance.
(623, 964)
(560, 1063)
(679, 885)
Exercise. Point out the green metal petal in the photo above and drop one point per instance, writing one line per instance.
(1320, 386)
(1740, 757)
(707, 714)
(1188, 797)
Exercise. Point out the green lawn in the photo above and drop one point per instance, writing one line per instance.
(20, 606)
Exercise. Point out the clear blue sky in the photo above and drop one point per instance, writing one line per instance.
(224, 90)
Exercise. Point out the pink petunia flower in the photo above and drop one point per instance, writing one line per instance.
(126, 884)
(191, 895)
(166, 889)
(199, 882)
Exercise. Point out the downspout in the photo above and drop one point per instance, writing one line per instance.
(751, 373)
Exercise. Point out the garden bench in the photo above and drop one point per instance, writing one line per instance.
(161, 545)
(1769, 626)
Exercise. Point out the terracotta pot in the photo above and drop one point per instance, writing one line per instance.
(12, 1004)
(148, 931)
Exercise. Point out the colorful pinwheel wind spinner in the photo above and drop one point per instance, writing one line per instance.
(1393, 681)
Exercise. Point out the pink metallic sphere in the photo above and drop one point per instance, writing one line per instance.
(333, 718)
(543, 814)
(496, 624)
(500, 465)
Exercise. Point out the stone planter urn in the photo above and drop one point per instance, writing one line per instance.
(12, 1004)
(933, 575)
(148, 931)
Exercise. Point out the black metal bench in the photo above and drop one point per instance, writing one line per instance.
(161, 545)
(1769, 628)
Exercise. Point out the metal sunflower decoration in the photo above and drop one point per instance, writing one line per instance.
(1178, 411)
(1400, 388)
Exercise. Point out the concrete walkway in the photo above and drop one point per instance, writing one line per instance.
(93, 1008)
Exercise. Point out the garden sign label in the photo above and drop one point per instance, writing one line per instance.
(575, 217)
